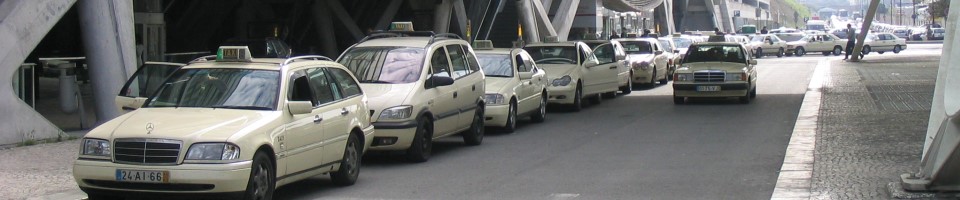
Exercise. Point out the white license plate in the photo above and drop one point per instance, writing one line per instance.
(712, 88)
(143, 176)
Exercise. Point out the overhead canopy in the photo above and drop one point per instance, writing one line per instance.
(619, 6)
(642, 5)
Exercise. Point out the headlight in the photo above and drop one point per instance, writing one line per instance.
(562, 81)
(641, 65)
(213, 151)
(494, 99)
(397, 112)
(735, 76)
(683, 77)
(95, 147)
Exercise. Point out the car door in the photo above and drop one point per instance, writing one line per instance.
(599, 78)
(301, 142)
(334, 112)
(660, 59)
(524, 90)
(444, 98)
(469, 84)
(607, 58)
(143, 83)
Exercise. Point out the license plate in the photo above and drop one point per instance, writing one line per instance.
(143, 176)
(712, 88)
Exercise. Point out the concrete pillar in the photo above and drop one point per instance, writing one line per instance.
(441, 17)
(108, 40)
(867, 21)
(528, 21)
(324, 21)
(23, 23)
(563, 20)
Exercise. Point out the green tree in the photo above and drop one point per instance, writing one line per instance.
(939, 8)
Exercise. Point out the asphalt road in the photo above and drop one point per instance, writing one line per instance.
(637, 146)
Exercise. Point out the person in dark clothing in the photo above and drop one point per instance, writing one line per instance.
(716, 31)
(646, 33)
(764, 30)
(851, 41)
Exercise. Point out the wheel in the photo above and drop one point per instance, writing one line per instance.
(662, 81)
(826, 53)
(759, 52)
(896, 49)
(677, 100)
(629, 88)
(577, 99)
(350, 164)
(541, 113)
(262, 178)
(422, 145)
(474, 135)
(866, 50)
(653, 77)
(780, 52)
(880, 52)
(799, 51)
(837, 50)
(511, 118)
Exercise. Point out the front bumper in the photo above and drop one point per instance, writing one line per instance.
(641, 75)
(496, 115)
(100, 177)
(401, 133)
(562, 94)
(727, 89)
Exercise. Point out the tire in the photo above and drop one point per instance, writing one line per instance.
(577, 105)
(826, 53)
(541, 114)
(511, 118)
(678, 100)
(753, 93)
(422, 144)
(474, 135)
(350, 164)
(262, 178)
(629, 88)
(837, 50)
(799, 51)
(780, 52)
(759, 52)
(662, 81)
(653, 77)
(896, 49)
(865, 50)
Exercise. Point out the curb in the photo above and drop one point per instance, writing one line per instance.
(794, 181)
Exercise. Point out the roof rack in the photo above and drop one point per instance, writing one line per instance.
(312, 57)
(433, 36)
(204, 58)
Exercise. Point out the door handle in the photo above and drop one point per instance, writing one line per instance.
(474, 88)
(344, 111)
(613, 67)
(454, 94)
(317, 119)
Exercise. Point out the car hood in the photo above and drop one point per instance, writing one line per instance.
(557, 70)
(382, 96)
(498, 84)
(725, 66)
(187, 124)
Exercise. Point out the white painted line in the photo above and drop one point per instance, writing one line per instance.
(797, 169)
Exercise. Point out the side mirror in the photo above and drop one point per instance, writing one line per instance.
(127, 104)
(621, 57)
(592, 63)
(753, 62)
(525, 75)
(658, 52)
(299, 107)
(437, 81)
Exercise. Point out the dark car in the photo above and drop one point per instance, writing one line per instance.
(269, 47)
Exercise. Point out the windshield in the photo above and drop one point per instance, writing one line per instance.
(715, 53)
(219, 88)
(790, 37)
(666, 45)
(637, 47)
(553, 55)
(682, 43)
(496, 65)
(384, 64)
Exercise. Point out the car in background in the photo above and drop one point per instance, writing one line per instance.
(824, 43)
(673, 55)
(784, 30)
(421, 87)
(716, 69)
(794, 38)
(515, 86)
(682, 42)
(918, 34)
(883, 42)
(767, 44)
(236, 126)
(574, 72)
(902, 32)
(938, 34)
(648, 61)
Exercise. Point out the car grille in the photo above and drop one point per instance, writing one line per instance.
(146, 151)
(708, 76)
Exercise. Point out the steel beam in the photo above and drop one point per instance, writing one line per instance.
(461, 16)
(337, 9)
(867, 21)
(563, 20)
(531, 34)
(108, 38)
(323, 23)
(441, 17)
(542, 19)
(388, 15)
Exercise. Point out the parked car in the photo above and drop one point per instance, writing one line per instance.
(823, 43)
(938, 34)
(716, 69)
(767, 44)
(421, 87)
(648, 60)
(918, 34)
(883, 42)
(902, 32)
(612, 52)
(515, 86)
(574, 73)
(673, 55)
(237, 127)
(794, 38)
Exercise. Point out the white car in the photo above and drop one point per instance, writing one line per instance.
(235, 127)
(884, 42)
(760, 45)
(824, 43)
(648, 61)
(673, 55)
(612, 52)
(421, 87)
(515, 86)
(716, 69)
(574, 73)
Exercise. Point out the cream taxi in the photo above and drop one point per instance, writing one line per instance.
(235, 127)
(422, 86)
(884, 42)
(515, 86)
(716, 69)
(760, 45)
(648, 61)
(821, 42)
(574, 73)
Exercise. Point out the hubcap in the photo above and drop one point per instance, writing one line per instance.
(543, 106)
(352, 158)
(512, 119)
(260, 182)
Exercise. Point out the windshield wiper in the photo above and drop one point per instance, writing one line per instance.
(373, 81)
(242, 107)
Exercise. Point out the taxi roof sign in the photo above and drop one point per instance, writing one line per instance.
(483, 44)
(234, 53)
(401, 26)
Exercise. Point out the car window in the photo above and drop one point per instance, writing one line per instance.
(300, 88)
(348, 86)
(605, 53)
(496, 65)
(147, 79)
(471, 59)
(637, 47)
(458, 61)
(439, 64)
(666, 45)
(384, 64)
(715, 53)
(553, 54)
(531, 66)
(521, 66)
(323, 90)
(219, 88)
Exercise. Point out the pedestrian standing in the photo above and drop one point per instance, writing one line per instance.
(851, 41)
(764, 30)
(716, 31)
